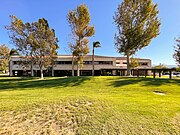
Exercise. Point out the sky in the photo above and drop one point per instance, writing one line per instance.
(160, 50)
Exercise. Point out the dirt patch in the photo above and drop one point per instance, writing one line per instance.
(72, 118)
(176, 121)
(54, 119)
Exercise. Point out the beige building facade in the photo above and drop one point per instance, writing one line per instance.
(104, 65)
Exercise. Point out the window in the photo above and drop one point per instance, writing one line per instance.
(17, 62)
(63, 62)
(14, 62)
(87, 62)
(124, 62)
(143, 63)
(96, 63)
(105, 62)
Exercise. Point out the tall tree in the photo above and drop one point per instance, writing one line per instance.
(44, 44)
(137, 24)
(95, 45)
(19, 33)
(79, 20)
(177, 51)
(4, 57)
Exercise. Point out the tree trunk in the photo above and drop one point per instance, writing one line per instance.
(52, 70)
(78, 68)
(42, 77)
(73, 65)
(128, 65)
(93, 62)
(32, 72)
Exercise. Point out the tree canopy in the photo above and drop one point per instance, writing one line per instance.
(160, 66)
(14, 52)
(44, 44)
(4, 57)
(134, 63)
(177, 51)
(19, 32)
(137, 24)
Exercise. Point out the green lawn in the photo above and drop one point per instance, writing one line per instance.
(89, 105)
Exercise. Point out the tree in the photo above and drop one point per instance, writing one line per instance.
(35, 41)
(44, 44)
(13, 52)
(177, 51)
(178, 69)
(160, 66)
(79, 20)
(137, 24)
(19, 33)
(134, 63)
(4, 57)
(95, 45)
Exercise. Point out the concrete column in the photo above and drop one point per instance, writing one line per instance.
(160, 73)
(170, 74)
(137, 72)
(10, 68)
(145, 73)
(125, 72)
(114, 72)
(154, 74)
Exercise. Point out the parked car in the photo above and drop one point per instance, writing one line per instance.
(174, 73)
(177, 74)
(165, 73)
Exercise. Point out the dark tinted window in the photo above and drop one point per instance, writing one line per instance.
(143, 63)
(63, 62)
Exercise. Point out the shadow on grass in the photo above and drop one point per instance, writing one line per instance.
(14, 79)
(143, 82)
(26, 83)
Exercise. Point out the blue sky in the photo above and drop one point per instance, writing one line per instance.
(55, 11)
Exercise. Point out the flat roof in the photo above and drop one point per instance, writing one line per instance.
(97, 56)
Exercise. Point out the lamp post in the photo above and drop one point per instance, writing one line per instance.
(95, 45)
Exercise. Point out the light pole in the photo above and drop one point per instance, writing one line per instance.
(95, 45)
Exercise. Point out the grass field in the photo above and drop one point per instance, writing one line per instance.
(89, 105)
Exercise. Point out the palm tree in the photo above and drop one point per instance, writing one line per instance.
(95, 45)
